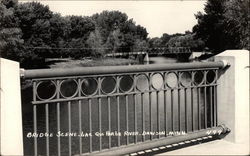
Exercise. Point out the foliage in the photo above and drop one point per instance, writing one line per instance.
(155, 42)
(114, 41)
(10, 33)
(95, 44)
(108, 21)
(165, 38)
(186, 40)
(224, 25)
(177, 40)
(30, 33)
(80, 27)
(119, 34)
(140, 45)
(237, 17)
(35, 25)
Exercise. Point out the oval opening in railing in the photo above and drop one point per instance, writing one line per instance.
(142, 82)
(171, 79)
(108, 85)
(126, 83)
(210, 77)
(157, 81)
(89, 86)
(198, 77)
(46, 90)
(68, 88)
(185, 79)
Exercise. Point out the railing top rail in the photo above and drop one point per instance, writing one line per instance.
(80, 71)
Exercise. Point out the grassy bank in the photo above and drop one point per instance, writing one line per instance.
(69, 63)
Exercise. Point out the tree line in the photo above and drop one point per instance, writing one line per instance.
(225, 24)
(31, 32)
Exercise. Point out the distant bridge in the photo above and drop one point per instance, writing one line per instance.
(126, 54)
(169, 50)
(144, 55)
(140, 56)
(181, 53)
(154, 51)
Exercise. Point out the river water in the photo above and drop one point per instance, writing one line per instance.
(28, 118)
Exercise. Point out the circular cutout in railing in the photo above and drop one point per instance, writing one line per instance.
(142, 83)
(68, 88)
(46, 90)
(89, 86)
(185, 79)
(210, 76)
(126, 83)
(157, 81)
(171, 80)
(198, 77)
(108, 85)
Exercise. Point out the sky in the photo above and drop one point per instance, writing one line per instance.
(158, 17)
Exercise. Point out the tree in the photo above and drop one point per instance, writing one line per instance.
(34, 22)
(237, 22)
(165, 38)
(95, 43)
(76, 48)
(76, 33)
(81, 27)
(108, 21)
(155, 42)
(210, 25)
(10, 33)
(141, 32)
(224, 25)
(59, 30)
(140, 45)
(9, 3)
(117, 31)
(187, 40)
(114, 41)
(31, 32)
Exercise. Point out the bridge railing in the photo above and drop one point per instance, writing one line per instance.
(121, 110)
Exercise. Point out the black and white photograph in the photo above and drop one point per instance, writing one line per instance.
(129, 77)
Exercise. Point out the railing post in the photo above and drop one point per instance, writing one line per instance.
(233, 95)
(11, 132)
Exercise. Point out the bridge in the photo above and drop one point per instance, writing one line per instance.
(143, 56)
(154, 51)
(140, 56)
(122, 54)
(128, 100)
(169, 50)
(127, 109)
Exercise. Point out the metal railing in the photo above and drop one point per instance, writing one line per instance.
(122, 109)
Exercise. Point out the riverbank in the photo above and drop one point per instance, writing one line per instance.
(69, 63)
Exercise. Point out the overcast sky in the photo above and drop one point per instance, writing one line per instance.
(158, 17)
